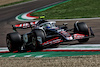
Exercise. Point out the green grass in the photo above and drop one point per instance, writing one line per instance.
(73, 9)
(15, 3)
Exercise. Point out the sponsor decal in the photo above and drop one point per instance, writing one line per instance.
(79, 36)
(52, 41)
(60, 30)
(64, 33)
(25, 25)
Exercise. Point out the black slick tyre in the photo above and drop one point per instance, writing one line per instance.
(14, 41)
(81, 28)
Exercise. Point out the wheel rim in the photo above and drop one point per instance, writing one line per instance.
(34, 41)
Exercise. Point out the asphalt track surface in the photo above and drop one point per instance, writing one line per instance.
(11, 12)
(7, 16)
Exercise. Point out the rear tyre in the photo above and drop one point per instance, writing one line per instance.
(38, 37)
(14, 41)
(81, 28)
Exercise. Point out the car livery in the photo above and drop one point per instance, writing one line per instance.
(45, 34)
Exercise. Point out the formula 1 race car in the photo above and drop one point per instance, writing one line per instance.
(45, 34)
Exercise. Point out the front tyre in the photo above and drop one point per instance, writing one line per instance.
(81, 28)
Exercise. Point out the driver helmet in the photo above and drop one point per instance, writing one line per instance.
(48, 26)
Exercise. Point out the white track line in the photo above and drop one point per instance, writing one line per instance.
(12, 56)
(27, 55)
(25, 17)
(68, 47)
(75, 19)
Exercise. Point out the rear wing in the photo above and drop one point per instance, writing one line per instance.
(24, 25)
